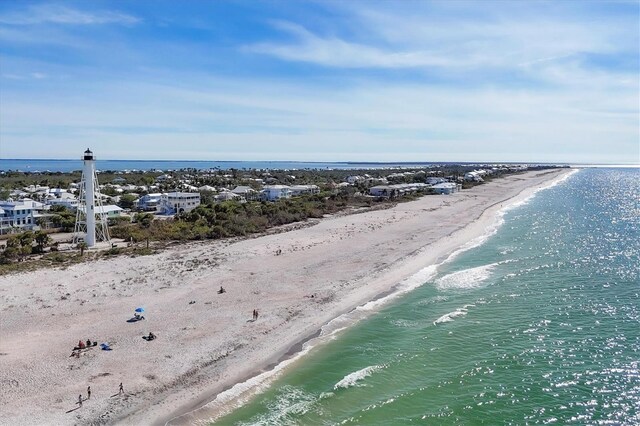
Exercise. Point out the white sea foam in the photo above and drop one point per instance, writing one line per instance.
(340, 323)
(533, 193)
(352, 379)
(240, 393)
(467, 278)
(498, 221)
(452, 315)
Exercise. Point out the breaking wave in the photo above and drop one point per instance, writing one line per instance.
(467, 278)
(352, 379)
(452, 315)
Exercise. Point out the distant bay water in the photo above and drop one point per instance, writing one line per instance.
(39, 165)
(539, 324)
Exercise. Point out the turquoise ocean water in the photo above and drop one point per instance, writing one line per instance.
(540, 324)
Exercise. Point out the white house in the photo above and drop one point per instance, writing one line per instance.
(304, 189)
(275, 192)
(19, 214)
(475, 176)
(355, 179)
(179, 202)
(109, 211)
(445, 188)
(149, 202)
(226, 195)
(435, 180)
(396, 190)
(64, 199)
(246, 192)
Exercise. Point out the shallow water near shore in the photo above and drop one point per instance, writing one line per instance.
(540, 324)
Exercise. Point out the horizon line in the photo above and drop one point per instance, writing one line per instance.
(334, 161)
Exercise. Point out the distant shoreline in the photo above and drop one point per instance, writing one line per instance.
(75, 165)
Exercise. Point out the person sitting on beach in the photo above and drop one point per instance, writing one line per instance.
(81, 344)
(151, 336)
(222, 290)
(88, 342)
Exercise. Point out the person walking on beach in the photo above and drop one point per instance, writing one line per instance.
(120, 389)
(256, 315)
(80, 400)
(88, 392)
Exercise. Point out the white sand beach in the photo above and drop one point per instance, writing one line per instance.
(207, 342)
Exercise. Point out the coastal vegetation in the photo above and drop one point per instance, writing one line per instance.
(235, 219)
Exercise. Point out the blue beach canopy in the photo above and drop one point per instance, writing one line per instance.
(139, 309)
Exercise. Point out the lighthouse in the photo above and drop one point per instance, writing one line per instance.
(89, 169)
(91, 221)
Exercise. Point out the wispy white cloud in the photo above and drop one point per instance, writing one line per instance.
(477, 37)
(59, 14)
(242, 119)
(336, 52)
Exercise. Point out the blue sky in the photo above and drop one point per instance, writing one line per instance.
(321, 80)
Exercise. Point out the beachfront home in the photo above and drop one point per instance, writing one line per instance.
(445, 188)
(19, 215)
(474, 176)
(179, 202)
(435, 180)
(275, 192)
(396, 190)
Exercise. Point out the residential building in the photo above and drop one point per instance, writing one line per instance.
(304, 189)
(396, 190)
(435, 180)
(150, 202)
(64, 199)
(226, 195)
(179, 202)
(109, 211)
(275, 192)
(246, 192)
(446, 188)
(19, 215)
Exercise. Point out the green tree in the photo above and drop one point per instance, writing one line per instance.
(143, 219)
(42, 241)
(4, 193)
(82, 246)
(127, 201)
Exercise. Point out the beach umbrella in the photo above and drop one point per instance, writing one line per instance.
(139, 309)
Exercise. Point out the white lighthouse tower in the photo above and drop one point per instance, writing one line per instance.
(91, 221)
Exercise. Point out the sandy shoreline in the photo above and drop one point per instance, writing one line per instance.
(206, 347)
